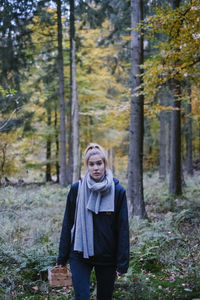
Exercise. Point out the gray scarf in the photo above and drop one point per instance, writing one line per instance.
(93, 197)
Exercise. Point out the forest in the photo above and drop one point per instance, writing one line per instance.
(124, 74)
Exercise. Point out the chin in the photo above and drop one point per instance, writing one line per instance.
(96, 178)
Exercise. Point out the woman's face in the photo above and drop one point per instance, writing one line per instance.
(96, 167)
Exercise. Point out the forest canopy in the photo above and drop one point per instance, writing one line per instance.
(95, 60)
(124, 74)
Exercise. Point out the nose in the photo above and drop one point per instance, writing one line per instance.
(96, 167)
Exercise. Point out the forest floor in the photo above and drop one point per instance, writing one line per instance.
(165, 248)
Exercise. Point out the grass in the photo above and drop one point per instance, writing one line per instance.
(30, 228)
(165, 249)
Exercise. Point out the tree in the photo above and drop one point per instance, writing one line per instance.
(136, 131)
(74, 143)
(175, 182)
(101, 101)
(177, 58)
(44, 81)
(189, 165)
(163, 96)
(57, 143)
(63, 167)
(175, 179)
(48, 146)
(14, 59)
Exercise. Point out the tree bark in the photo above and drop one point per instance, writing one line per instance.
(175, 3)
(163, 139)
(57, 144)
(168, 125)
(189, 165)
(136, 132)
(3, 161)
(74, 146)
(48, 148)
(199, 140)
(175, 180)
(63, 172)
(111, 156)
(175, 183)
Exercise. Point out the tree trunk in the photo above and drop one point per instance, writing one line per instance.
(198, 152)
(136, 131)
(175, 3)
(175, 184)
(57, 144)
(168, 141)
(163, 139)
(3, 161)
(63, 172)
(74, 151)
(189, 165)
(175, 180)
(111, 159)
(48, 148)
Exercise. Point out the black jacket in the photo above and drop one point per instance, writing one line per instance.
(111, 233)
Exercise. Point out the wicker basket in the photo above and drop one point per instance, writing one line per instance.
(59, 276)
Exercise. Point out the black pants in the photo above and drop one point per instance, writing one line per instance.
(81, 272)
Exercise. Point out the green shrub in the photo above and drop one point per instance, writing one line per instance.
(165, 249)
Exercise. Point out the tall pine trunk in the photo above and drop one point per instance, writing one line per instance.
(175, 181)
(163, 138)
(136, 131)
(74, 147)
(57, 144)
(189, 164)
(63, 171)
(48, 148)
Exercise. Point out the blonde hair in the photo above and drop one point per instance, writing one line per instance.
(93, 149)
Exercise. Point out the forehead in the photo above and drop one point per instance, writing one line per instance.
(94, 158)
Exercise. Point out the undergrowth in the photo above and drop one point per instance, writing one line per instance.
(165, 248)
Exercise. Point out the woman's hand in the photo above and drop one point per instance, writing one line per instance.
(59, 266)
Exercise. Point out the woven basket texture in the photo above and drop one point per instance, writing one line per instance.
(59, 276)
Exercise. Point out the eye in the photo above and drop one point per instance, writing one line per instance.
(99, 163)
(91, 164)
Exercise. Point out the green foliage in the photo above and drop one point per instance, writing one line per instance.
(103, 67)
(7, 92)
(164, 249)
(163, 262)
(164, 257)
(176, 36)
(30, 226)
(102, 91)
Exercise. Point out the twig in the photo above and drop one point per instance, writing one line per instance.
(6, 122)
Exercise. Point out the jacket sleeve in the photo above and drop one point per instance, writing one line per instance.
(123, 235)
(68, 221)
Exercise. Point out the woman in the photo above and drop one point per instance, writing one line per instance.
(95, 232)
